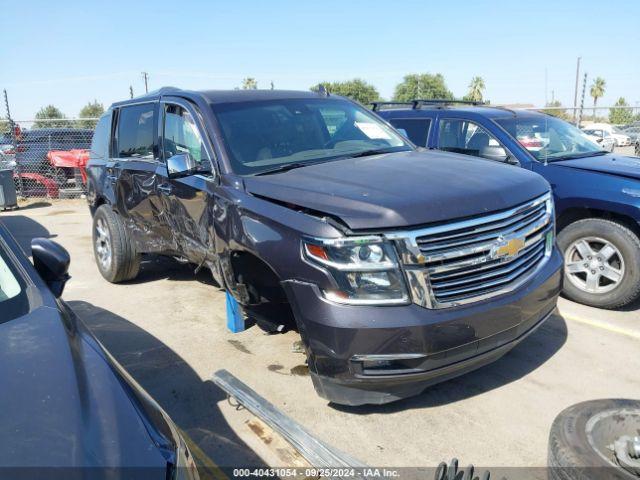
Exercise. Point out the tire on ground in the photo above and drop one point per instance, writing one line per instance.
(627, 243)
(125, 261)
(570, 454)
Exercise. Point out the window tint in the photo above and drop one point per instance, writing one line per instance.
(416, 129)
(463, 136)
(135, 132)
(100, 144)
(181, 134)
(266, 135)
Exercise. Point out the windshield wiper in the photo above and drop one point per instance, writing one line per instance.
(286, 167)
(577, 155)
(375, 151)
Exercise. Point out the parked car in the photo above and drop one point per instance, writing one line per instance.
(620, 137)
(34, 145)
(597, 194)
(600, 137)
(67, 404)
(400, 268)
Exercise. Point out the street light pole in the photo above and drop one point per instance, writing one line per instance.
(575, 93)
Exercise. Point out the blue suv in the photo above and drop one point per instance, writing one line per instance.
(597, 194)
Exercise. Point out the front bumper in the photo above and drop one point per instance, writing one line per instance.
(379, 354)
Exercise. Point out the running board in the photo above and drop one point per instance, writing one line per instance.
(316, 452)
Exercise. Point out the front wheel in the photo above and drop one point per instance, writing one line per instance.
(602, 263)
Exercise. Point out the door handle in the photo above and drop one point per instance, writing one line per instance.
(165, 189)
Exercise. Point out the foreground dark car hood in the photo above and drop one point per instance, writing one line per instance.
(611, 164)
(401, 189)
(61, 403)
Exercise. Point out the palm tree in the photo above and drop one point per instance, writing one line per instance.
(476, 87)
(597, 91)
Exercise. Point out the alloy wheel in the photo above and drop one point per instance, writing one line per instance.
(103, 243)
(594, 265)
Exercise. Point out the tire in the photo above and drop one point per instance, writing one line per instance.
(627, 257)
(580, 437)
(124, 262)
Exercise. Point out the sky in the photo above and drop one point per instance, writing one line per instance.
(68, 53)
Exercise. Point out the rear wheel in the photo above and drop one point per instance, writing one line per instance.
(113, 248)
(602, 263)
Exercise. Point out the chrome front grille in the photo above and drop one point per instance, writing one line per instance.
(476, 259)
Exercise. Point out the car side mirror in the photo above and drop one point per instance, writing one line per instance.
(181, 165)
(496, 153)
(51, 261)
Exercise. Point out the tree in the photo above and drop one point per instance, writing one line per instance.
(249, 83)
(91, 110)
(621, 116)
(476, 87)
(5, 126)
(555, 111)
(49, 113)
(422, 86)
(356, 89)
(597, 91)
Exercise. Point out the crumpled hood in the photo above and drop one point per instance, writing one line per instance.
(611, 163)
(402, 189)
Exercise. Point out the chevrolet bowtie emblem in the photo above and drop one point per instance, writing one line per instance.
(507, 247)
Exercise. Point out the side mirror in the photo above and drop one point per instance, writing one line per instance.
(495, 153)
(181, 165)
(51, 261)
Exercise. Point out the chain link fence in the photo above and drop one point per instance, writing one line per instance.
(48, 157)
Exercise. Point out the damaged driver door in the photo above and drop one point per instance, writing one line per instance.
(188, 187)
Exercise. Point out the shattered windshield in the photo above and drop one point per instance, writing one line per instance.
(271, 135)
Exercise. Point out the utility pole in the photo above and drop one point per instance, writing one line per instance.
(584, 89)
(546, 98)
(575, 93)
(131, 90)
(145, 75)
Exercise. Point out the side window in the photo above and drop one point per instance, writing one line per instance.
(468, 138)
(101, 137)
(416, 129)
(135, 132)
(181, 134)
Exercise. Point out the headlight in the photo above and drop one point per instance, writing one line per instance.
(551, 210)
(365, 269)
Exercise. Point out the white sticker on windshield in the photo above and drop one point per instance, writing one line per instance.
(372, 130)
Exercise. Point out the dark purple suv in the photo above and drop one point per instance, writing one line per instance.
(400, 268)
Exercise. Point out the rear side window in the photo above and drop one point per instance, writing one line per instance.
(135, 132)
(100, 143)
(415, 129)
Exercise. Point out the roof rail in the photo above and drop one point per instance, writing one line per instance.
(418, 103)
(377, 105)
